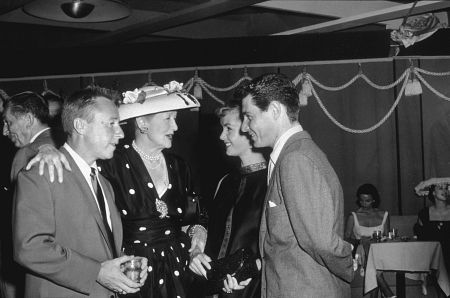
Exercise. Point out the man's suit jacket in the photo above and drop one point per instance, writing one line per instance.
(26, 153)
(59, 235)
(303, 253)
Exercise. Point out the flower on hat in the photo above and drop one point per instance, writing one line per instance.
(173, 86)
(422, 189)
(137, 95)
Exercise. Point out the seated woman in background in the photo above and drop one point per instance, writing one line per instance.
(238, 202)
(433, 222)
(366, 220)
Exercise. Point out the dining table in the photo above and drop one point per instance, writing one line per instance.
(405, 257)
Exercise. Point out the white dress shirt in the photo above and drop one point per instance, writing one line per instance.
(86, 171)
(38, 134)
(279, 144)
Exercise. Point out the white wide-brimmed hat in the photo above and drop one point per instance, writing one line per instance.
(422, 188)
(155, 99)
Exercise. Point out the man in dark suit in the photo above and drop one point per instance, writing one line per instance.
(301, 234)
(25, 119)
(68, 235)
(25, 123)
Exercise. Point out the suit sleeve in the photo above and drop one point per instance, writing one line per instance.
(34, 238)
(309, 203)
(20, 161)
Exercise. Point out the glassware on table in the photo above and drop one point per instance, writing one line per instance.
(394, 232)
(132, 268)
(377, 235)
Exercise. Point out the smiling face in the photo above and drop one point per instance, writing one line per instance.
(236, 143)
(441, 193)
(259, 124)
(161, 128)
(16, 128)
(103, 132)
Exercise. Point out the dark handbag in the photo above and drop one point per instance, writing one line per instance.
(193, 211)
(241, 265)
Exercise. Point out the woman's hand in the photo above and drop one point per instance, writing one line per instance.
(53, 158)
(231, 284)
(199, 261)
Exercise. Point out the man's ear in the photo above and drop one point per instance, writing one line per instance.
(80, 125)
(275, 109)
(29, 119)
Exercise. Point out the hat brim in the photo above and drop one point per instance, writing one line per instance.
(157, 104)
(422, 188)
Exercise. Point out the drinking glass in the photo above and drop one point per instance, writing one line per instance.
(132, 269)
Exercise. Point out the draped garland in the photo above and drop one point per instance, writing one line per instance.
(410, 81)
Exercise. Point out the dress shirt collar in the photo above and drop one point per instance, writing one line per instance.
(38, 134)
(81, 163)
(279, 144)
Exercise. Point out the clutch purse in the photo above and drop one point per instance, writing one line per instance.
(241, 265)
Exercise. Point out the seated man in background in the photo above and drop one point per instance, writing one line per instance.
(68, 235)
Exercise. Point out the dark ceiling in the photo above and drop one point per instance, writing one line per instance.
(233, 30)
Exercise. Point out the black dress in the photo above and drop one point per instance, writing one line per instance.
(147, 232)
(434, 231)
(239, 200)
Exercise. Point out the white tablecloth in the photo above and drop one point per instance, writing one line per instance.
(414, 256)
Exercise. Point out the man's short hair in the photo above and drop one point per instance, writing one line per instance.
(28, 102)
(273, 87)
(81, 105)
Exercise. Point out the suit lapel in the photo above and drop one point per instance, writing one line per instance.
(88, 197)
(263, 229)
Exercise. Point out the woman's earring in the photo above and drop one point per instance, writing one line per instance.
(143, 129)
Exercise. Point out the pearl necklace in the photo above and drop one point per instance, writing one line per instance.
(144, 155)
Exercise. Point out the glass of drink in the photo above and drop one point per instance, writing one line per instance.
(132, 268)
(394, 232)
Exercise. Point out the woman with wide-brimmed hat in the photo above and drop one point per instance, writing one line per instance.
(433, 222)
(154, 190)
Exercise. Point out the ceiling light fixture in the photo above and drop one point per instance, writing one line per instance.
(85, 11)
(77, 9)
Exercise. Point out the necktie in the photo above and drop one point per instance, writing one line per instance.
(101, 203)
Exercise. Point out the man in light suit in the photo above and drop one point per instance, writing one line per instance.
(68, 235)
(301, 234)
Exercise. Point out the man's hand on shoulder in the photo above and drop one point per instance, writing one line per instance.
(53, 158)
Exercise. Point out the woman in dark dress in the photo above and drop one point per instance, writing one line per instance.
(152, 188)
(433, 222)
(234, 219)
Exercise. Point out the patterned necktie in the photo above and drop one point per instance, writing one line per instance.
(101, 203)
